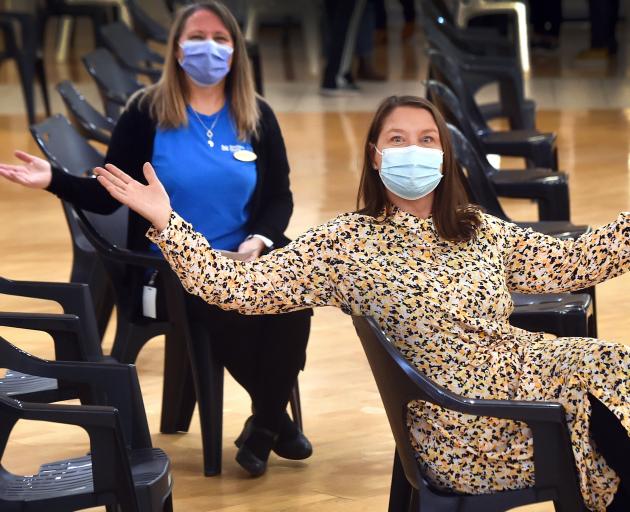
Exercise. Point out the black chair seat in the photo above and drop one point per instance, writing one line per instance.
(561, 314)
(72, 478)
(519, 137)
(559, 229)
(16, 383)
(496, 109)
(549, 188)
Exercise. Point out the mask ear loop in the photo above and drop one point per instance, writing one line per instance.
(379, 152)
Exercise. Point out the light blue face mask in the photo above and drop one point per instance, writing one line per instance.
(411, 172)
(205, 62)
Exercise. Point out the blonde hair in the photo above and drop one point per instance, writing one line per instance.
(167, 98)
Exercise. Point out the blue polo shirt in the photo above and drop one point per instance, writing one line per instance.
(207, 186)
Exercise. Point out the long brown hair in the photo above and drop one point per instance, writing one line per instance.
(167, 98)
(454, 217)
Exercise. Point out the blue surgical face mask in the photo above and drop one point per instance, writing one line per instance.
(411, 172)
(205, 62)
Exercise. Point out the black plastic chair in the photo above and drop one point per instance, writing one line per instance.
(131, 51)
(66, 149)
(145, 26)
(122, 471)
(482, 66)
(90, 123)
(183, 383)
(559, 314)
(183, 339)
(115, 84)
(400, 383)
(27, 55)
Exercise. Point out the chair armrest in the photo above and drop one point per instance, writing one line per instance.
(86, 416)
(50, 323)
(62, 293)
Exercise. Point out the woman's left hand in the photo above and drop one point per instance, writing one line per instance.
(254, 246)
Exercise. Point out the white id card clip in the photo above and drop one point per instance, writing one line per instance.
(149, 298)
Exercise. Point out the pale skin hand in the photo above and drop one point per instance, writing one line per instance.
(253, 246)
(150, 201)
(35, 172)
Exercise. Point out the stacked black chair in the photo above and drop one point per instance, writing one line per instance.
(481, 64)
(115, 84)
(122, 471)
(74, 334)
(27, 54)
(131, 51)
(190, 372)
(399, 383)
(145, 26)
(538, 149)
(90, 123)
(548, 188)
(562, 314)
(66, 149)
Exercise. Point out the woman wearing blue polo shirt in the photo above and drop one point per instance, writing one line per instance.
(219, 151)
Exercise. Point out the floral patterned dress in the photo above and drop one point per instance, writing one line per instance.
(446, 306)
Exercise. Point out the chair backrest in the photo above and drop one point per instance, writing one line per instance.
(65, 147)
(89, 121)
(115, 84)
(480, 186)
(130, 50)
(399, 383)
(445, 70)
(145, 26)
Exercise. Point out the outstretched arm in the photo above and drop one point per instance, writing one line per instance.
(537, 263)
(297, 276)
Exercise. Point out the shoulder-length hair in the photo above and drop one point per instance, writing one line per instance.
(454, 217)
(168, 97)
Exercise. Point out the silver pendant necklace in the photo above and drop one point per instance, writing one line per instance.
(209, 132)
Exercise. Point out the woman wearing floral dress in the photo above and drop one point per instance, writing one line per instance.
(436, 273)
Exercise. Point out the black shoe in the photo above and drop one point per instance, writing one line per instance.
(254, 445)
(292, 443)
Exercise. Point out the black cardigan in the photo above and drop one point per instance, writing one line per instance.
(132, 145)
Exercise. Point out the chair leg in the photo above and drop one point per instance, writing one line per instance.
(127, 343)
(168, 504)
(400, 493)
(40, 70)
(26, 72)
(178, 392)
(208, 378)
(296, 407)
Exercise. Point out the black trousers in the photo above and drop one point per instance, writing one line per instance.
(613, 442)
(603, 15)
(264, 353)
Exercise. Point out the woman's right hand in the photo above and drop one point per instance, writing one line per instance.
(34, 173)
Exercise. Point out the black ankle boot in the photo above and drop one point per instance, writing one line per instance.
(291, 443)
(254, 445)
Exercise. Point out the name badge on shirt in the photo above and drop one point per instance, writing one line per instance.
(245, 155)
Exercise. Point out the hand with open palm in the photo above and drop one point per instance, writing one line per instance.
(150, 201)
(33, 173)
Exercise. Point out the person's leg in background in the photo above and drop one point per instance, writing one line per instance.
(365, 45)
(612, 441)
(342, 22)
